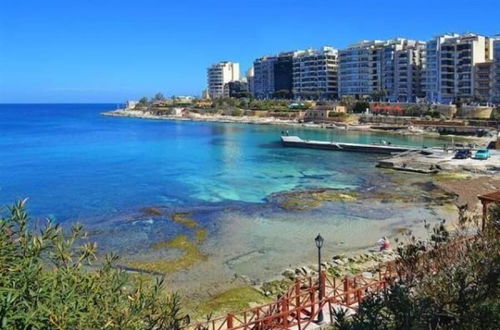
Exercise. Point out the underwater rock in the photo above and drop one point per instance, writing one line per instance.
(310, 199)
(184, 218)
(191, 255)
(151, 211)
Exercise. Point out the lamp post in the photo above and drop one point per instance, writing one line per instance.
(319, 244)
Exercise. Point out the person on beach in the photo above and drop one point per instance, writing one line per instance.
(384, 244)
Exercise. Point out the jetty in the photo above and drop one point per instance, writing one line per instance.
(378, 148)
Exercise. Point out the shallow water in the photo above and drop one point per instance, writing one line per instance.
(76, 165)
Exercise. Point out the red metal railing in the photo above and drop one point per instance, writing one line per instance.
(299, 306)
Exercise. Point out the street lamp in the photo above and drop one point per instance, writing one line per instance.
(319, 244)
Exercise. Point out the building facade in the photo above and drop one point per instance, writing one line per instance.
(360, 69)
(263, 84)
(432, 67)
(483, 82)
(452, 67)
(496, 72)
(283, 75)
(384, 70)
(237, 89)
(315, 74)
(251, 81)
(218, 75)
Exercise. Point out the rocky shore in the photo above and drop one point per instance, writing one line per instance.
(280, 122)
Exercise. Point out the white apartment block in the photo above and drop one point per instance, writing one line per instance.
(315, 73)
(263, 83)
(496, 72)
(218, 75)
(432, 67)
(451, 65)
(359, 69)
(402, 67)
(391, 68)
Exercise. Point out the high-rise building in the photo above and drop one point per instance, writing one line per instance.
(483, 82)
(283, 75)
(264, 77)
(360, 69)
(451, 65)
(315, 73)
(251, 81)
(219, 75)
(273, 76)
(386, 70)
(432, 67)
(407, 85)
(237, 88)
(496, 72)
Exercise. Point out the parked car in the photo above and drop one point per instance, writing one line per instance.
(463, 154)
(482, 154)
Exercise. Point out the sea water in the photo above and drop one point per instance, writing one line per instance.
(75, 164)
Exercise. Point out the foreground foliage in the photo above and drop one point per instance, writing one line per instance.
(47, 281)
(450, 282)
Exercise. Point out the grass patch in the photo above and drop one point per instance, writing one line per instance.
(191, 256)
(184, 219)
(231, 300)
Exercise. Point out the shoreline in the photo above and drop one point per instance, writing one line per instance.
(363, 260)
(285, 122)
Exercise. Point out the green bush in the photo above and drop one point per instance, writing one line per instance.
(450, 287)
(360, 107)
(48, 281)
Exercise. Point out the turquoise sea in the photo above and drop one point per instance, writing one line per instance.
(73, 163)
(77, 165)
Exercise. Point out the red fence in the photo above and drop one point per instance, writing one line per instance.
(299, 307)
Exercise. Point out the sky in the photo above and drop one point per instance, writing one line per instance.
(99, 51)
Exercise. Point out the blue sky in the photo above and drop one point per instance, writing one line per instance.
(110, 51)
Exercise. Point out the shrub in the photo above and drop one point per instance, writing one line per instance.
(48, 281)
(446, 285)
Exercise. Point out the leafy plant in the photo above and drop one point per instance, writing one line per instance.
(48, 280)
(450, 281)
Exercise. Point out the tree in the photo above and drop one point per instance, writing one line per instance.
(48, 281)
(379, 95)
(159, 97)
(360, 107)
(143, 101)
(448, 282)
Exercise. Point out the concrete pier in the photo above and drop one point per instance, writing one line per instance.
(295, 141)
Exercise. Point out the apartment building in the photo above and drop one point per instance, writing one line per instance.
(359, 69)
(496, 72)
(251, 81)
(315, 73)
(483, 82)
(403, 70)
(451, 66)
(283, 74)
(218, 75)
(432, 66)
(263, 84)
(389, 70)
